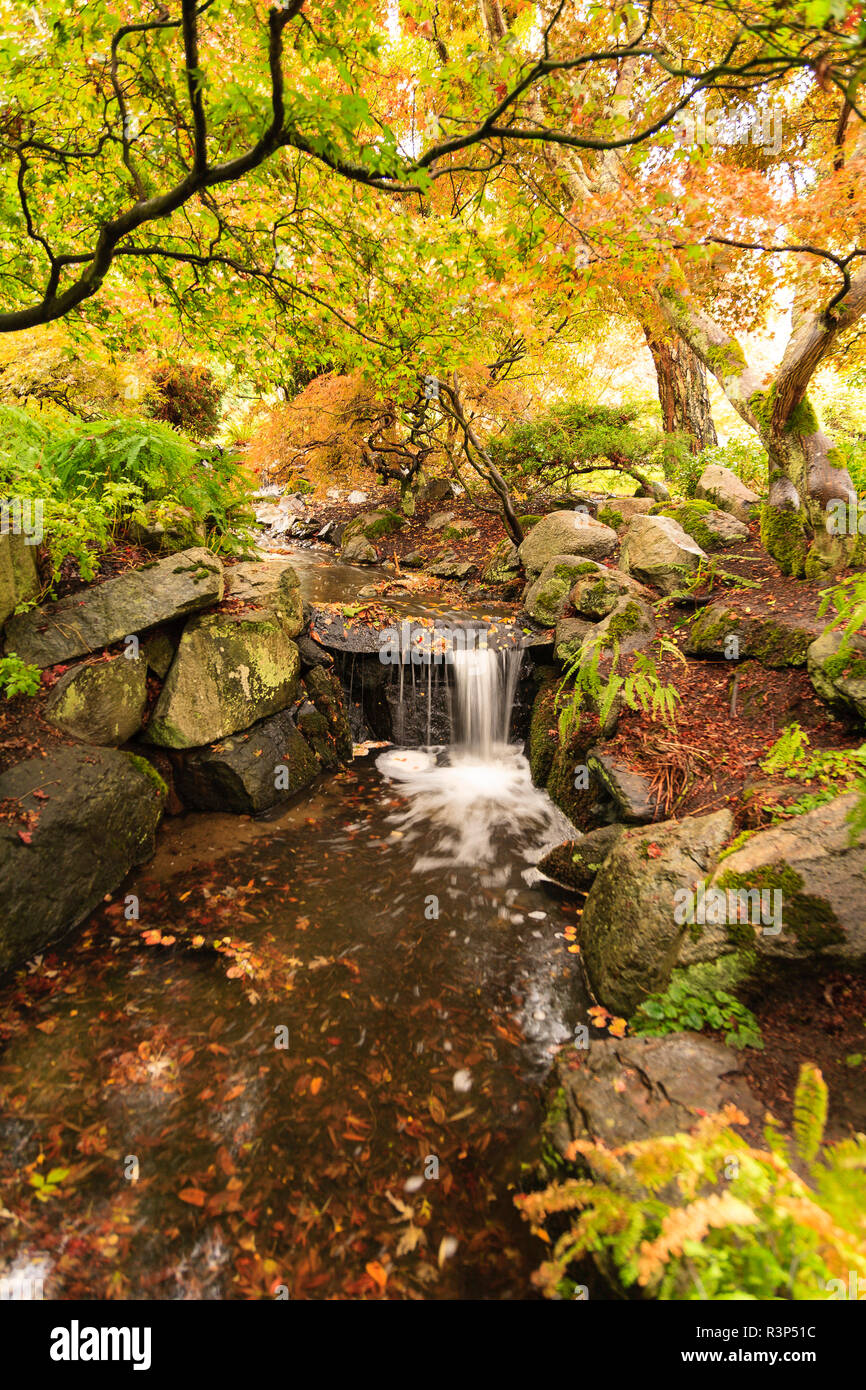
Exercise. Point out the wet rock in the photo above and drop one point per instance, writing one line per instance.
(776, 642)
(723, 488)
(657, 551)
(95, 819)
(631, 937)
(576, 863)
(165, 527)
(565, 533)
(812, 876)
(413, 561)
(101, 703)
(597, 594)
(312, 653)
(357, 550)
(546, 597)
(248, 772)
(105, 613)
(374, 525)
(230, 672)
(326, 694)
(619, 1090)
(18, 578)
(840, 680)
(272, 586)
(630, 793)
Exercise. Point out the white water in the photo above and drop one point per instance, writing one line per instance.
(462, 797)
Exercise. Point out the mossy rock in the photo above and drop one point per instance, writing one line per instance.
(783, 536)
(711, 528)
(719, 631)
(101, 703)
(373, 525)
(838, 670)
(230, 672)
(165, 526)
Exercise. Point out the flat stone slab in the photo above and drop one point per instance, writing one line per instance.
(106, 613)
(622, 1090)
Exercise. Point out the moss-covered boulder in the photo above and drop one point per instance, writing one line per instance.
(91, 815)
(657, 551)
(248, 772)
(100, 703)
(546, 598)
(776, 642)
(628, 628)
(18, 578)
(723, 488)
(630, 793)
(798, 888)
(105, 613)
(165, 526)
(230, 672)
(837, 670)
(565, 533)
(373, 526)
(596, 594)
(711, 528)
(631, 933)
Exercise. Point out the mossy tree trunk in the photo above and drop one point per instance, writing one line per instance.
(805, 472)
(682, 388)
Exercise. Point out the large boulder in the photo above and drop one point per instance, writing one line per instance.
(165, 526)
(841, 680)
(231, 670)
(100, 703)
(723, 488)
(90, 814)
(657, 551)
(374, 525)
(271, 586)
(449, 566)
(565, 533)
(18, 578)
(811, 878)
(777, 642)
(597, 593)
(631, 937)
(546, 597)
(618, 511)
(620, 1090)
(105, 613)
(248, 772)
(711, 528)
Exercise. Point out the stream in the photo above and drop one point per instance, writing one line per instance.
(311, 1066)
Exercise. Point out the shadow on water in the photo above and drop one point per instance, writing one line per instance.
(249, 1083)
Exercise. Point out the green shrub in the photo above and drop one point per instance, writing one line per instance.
(707, 1216)
(554, 445)
(683, 1007)
(17, 677)
(92, 476)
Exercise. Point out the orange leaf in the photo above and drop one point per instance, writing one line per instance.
(194, 1196)
(377, 1273)
(315, 1085)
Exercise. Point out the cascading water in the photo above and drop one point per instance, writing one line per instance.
(480, 787)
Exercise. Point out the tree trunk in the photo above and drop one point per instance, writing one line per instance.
(682, 387)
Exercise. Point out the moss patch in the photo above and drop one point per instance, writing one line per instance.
(811, 919)
(783, 536)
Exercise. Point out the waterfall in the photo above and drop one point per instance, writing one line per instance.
(485, 682)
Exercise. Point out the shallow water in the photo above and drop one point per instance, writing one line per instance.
(387, 924)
